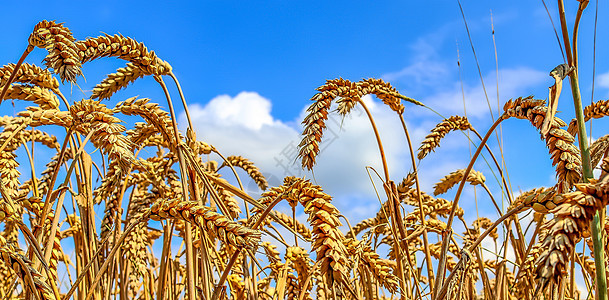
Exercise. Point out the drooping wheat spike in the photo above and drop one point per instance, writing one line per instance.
(110, 184)
(406, 183)
(327, 239)
(146, 135)
(33, 281)
(384, 91)
(124, 48)
(348, 94)
(39, 117)
(542, 200)
(265, 200)
(565, 156)
(484, 223)
(136, 242)
(41, 96)
(450, 180)
(249, 168)
(323, 217)
(379, 219)
(29, 74)
(317, 114)
(117, 81)
(301, 262)
(227, 231)
(63, 55)
(526, 273)
(9, 175)
(231, 202)
(151, 112)
(432, 140)
(92, 115)
(571, 220)
(432, 207)
(371, 263)
(301, 229)
(598, 150)
(595, 110)
(436, 251)
(109, 191)
(88, 116)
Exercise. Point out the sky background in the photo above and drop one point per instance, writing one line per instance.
(249, 68)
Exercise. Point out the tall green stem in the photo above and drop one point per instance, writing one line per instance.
(599, 253)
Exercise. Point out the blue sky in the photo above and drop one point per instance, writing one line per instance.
(248, 69)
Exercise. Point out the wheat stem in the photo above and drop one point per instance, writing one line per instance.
(188, 238)
(599, 253)
(451, 216)
(421, 211)
(14, 73)
(233, 259)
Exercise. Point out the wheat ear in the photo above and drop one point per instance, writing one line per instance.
(227, 231)
(432, 140)
(571, 219)
(565, 156)
(117, 81)
(450, 180)
(29, 74)
(59, 42)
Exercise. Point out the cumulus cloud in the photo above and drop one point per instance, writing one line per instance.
(244, 125)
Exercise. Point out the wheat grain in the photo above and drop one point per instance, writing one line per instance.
(249, 168)
(542, 200)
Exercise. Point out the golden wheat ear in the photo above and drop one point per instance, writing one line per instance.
(29, 74)
(432, 140)
(63, 55)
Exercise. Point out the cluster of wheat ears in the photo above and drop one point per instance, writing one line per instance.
(219, 225)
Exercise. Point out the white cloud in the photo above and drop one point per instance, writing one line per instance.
(348, 146)
(247, 109)
(513, 82)
(603, 80)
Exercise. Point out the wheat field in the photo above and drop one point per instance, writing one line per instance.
(173, 227)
